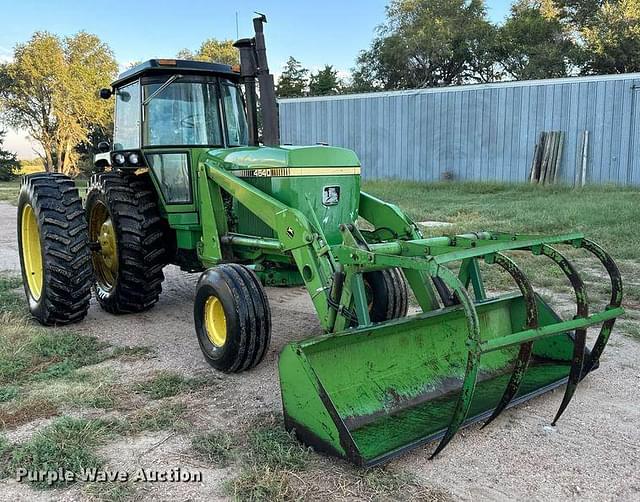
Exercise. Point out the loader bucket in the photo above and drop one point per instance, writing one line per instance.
(370, 393)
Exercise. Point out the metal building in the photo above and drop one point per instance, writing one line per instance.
(480, 132)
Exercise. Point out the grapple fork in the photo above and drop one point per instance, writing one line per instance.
(370, 392)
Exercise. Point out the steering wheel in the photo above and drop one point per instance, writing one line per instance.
(190, 120)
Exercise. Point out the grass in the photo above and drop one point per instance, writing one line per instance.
(43, 370)
(609, 215)
(269, 459)
(275, 448)
(9, 190)
(8, 392)
(631, 329)
(167, 416)
(274, 466)
(112, 491)
(168, 384)
(67, 444)
(213, 447)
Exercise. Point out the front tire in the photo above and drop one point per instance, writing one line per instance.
(54, 249)
(232, 318)
(128, 242)
(387, 294)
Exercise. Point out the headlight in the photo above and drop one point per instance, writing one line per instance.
(134, 158)
(119, 159)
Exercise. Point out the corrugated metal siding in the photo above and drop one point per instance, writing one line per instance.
(479, 132)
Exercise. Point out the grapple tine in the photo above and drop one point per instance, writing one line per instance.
(524, 354)
(615, 301)
(473, 358)
(580, 336)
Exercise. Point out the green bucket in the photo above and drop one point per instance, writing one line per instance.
(371, 393)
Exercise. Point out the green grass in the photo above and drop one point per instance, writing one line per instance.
(68, 444)
(112, 491)
(42, 369)
(9, 191)
(213, 447)
(631, 329)
(167, 416)
(275, 448)
(168, 384)
(8, 392)
(267, 461)
(609, 215)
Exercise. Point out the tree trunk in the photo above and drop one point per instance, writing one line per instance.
(67, 157)
(48, 166)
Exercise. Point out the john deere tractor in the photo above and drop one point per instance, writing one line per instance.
(192, 180)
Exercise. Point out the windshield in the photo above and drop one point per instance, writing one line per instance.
(185, 112)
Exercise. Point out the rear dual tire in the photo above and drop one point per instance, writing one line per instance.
(129, 242)
(54, 249)
(232, 318)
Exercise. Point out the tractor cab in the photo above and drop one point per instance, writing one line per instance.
(166, 112)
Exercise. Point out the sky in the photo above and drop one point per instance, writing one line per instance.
(315, 32)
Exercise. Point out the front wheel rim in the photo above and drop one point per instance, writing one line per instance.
(215, 321)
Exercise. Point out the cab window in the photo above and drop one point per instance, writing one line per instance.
(127, 121)
(237, 130)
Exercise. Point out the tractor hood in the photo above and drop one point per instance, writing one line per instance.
(284, 156)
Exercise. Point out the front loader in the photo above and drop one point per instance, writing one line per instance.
(191, 180)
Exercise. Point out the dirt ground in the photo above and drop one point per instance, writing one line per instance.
(592, 454)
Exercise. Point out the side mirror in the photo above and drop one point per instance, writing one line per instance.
(105, 93)
(104, 147)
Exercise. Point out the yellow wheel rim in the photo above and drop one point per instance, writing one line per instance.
(31, 251)
(105, 257)
(215, 321)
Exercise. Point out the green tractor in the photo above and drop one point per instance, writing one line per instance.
(188, 181)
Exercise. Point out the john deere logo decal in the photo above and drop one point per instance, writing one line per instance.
(330, 195)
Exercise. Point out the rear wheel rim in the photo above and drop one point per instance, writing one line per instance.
(32, 251)
(215, 322)
(105, 256)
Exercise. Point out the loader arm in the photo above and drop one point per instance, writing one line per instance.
(295, 233)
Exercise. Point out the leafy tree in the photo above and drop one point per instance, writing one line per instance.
(534, 44)
(50, 90)
(293, 80)
(9, 164)
(362, 78)
(31, 166)
(324, 82)
(87, 148)
(577, 14)
(612, 38)
(427, 43)
(213, 50)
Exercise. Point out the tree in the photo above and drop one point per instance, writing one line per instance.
(612, 38)
(293, 80)
(9, 164)
(50, 90)
(534, 43)
(427, 43)
(213, 50)
(324, 82)
(577, 14)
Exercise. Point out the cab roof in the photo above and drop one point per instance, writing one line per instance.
(169, 66)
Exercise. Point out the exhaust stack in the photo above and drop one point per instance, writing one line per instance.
(254, 65)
